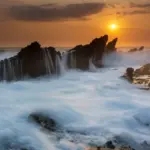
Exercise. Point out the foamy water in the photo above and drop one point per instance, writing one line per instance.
(95, 106)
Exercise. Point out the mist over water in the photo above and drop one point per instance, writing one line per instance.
(96, 106)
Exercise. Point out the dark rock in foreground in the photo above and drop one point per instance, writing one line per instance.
(44, 121)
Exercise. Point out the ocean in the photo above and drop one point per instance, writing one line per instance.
(96, 105)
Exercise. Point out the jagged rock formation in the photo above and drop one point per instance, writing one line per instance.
(111, 46)
(32, 61)
(79, 57)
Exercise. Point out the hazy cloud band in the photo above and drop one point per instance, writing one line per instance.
(54, 12)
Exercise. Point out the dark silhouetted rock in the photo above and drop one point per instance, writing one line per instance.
(79, 57)
(32, 61)
(44, 121)
(141, 48)
(133, 50)
(111, 46)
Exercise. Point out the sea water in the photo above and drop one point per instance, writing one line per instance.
(95, 106)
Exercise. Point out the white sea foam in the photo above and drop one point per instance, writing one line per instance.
(95, 106)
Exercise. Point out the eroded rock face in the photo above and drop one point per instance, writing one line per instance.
(32, 61)
(80, 56)
(111, 46)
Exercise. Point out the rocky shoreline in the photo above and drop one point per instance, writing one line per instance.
(34, 61)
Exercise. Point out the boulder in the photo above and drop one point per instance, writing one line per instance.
(79, 57)
(44, 121)
(111, 46)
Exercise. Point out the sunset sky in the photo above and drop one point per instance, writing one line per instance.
(70, 22)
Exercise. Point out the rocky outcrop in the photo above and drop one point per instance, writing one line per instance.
(144, 70)
(142, 75)
(111, 46)
(137, 49)
(80, 56)
(139, 76)
(32, 61)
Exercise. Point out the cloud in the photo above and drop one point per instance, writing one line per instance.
(139, 9)
(136, 12)
(134, 5)
(54, 12)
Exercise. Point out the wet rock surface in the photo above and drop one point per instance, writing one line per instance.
(44, 121)
(139, 76)
(144, 70)
(34, 61)
(79, 57)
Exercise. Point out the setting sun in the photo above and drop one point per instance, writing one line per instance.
(113, 26)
